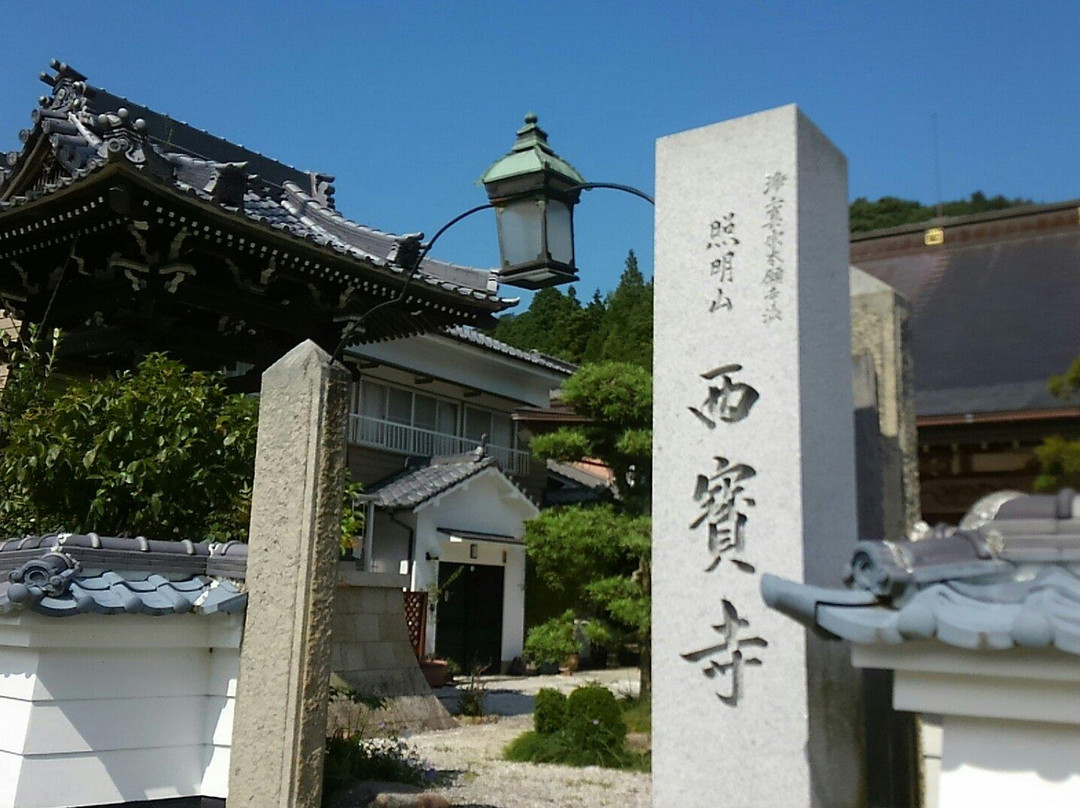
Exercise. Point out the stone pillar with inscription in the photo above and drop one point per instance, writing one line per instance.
(753, 465)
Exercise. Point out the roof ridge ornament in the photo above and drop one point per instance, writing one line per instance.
(48, 576)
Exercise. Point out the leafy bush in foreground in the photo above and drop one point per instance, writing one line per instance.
(156, 451)
(591, 732)
(549, 713)
(351, 758)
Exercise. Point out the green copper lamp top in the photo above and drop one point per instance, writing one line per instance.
(531, 154)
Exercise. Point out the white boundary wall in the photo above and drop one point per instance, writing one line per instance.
(1001, 728)
(97, 710)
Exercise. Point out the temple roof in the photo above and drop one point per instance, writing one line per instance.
(86, 127)
(994, 298)
(1008, 577)
(165, 237)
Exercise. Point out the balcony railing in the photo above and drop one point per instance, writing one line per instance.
(412, 440)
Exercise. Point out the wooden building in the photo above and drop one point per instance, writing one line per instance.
(136, 232)
(995, 313)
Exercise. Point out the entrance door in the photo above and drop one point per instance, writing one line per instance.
(469, 629)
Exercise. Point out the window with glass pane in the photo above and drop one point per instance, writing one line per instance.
(501, 430)
(424, 412)
(373, 400)
(399, 406)
(447, 416)
(477, 423)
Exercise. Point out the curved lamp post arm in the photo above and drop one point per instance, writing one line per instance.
(588, 186)
(411, 252)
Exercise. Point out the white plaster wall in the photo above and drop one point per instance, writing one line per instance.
(468, 365)
(992, 763)
(390, 542)
(100, 709)
(1009, 721)
(931, 742)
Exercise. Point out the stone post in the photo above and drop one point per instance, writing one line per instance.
(879, 330)
(279, 731)
(753, 466)
(886, 462)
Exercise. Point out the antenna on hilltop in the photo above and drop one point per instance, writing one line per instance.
(937, 163)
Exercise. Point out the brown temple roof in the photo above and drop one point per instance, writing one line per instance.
(994, 306)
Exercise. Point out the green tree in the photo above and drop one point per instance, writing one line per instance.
(550, 325)
(616, 397)
(891, 211)
(1058, 456)
(599, 556)
(625, 334)
(155, 451)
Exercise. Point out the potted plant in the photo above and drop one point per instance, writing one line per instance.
(436, 671)
(554, 642)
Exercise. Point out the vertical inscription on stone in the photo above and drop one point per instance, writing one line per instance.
(753, 453)
(722, 243)
(774, 243)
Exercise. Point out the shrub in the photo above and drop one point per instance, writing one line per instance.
(585, 729)
(473, 696)
(351, 758)
(549, 714)
(637, 713)
(536, 747)
(594, 719)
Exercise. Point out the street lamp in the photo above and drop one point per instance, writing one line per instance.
(534, 191)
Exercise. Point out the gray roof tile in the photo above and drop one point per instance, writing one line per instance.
(470, 335)
(108, 593)
(64, 574)
(1012, 581)
(417, 484)
(993, 308)
(282, 197)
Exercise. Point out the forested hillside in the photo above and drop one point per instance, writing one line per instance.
(616, 327)
(890, 211)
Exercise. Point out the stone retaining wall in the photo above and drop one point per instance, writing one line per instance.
(371, 653)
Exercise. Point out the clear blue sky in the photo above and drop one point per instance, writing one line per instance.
(407, 103)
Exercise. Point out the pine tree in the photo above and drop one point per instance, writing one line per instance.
(627, 331)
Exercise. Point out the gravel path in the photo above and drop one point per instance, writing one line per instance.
(472, 754)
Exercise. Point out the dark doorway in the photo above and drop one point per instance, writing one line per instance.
(469, 629)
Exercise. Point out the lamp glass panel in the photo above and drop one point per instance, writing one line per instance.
(521, 231)
(560, 234)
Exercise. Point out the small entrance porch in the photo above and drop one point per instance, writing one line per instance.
(455, 526)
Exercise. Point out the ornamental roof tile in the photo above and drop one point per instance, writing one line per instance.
(109, 593)
(61, 575)
(1009, 578)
